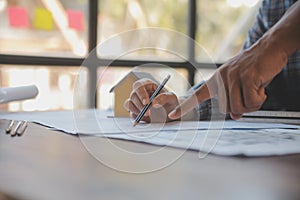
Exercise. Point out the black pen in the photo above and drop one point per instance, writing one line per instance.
(144, 110)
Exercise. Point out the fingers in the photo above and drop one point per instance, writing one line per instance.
(235, 116)
(136, 101)
(145, 118)
(205, 92)
(134, 111)
(244, 98)
(236, 100)
(161, 106)
(139, 97)
(199, 96)
(238, 92)
(165, 98)
(130, 107)
(144, 89)
(254, 96)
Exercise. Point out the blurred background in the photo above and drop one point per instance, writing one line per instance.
(44, 42)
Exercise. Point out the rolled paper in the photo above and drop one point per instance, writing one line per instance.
(18, 93)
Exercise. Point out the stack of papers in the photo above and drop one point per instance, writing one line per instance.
(218, 137)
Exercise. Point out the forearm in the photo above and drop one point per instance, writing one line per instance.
(208, 110)
(198, 112)
(193, 115)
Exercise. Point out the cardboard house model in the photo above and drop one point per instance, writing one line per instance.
(123, 89)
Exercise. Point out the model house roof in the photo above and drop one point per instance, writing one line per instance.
(138, 75)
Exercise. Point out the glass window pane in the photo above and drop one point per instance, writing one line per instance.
(110, 76)
(118, 16)
(222, 27)
(44, 28)
(55, 84)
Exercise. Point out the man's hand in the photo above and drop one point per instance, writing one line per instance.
(161, 105)
(240, 83)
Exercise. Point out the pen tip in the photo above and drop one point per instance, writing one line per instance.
(135, 123)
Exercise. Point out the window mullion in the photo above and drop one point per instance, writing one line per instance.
(191, 28)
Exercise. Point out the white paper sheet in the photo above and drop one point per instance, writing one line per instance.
(95, 122)
(261, 142)
(229, 138)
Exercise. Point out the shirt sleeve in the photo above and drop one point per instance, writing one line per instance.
(259, 27)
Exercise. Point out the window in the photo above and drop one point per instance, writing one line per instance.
(55, 86)
(222, 27)
(45, 42)
(116, 17)
(53, 28)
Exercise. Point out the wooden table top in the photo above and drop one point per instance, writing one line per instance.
(45, 164)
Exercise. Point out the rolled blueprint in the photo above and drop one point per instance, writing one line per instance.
(18, 93)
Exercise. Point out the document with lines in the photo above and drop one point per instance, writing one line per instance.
(95, 122)
(218, 137)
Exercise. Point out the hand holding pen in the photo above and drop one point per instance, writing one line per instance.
(147, 106)
(162, 104)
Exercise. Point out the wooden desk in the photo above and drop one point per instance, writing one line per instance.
(45, 164)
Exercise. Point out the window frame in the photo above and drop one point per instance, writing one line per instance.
(189, 65)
